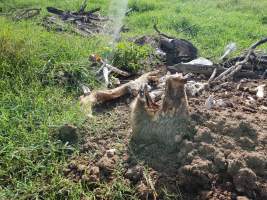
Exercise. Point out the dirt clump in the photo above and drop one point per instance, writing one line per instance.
(245, 181)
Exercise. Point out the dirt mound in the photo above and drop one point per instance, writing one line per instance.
(226, 159)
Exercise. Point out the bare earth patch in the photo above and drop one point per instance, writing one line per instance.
(226, 159)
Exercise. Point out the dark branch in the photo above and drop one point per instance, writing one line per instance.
(160, 33)
(55, 11)
(83, 6)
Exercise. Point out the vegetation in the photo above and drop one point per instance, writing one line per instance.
(40, 72)
(129, 56)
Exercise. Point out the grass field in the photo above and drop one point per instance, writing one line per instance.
(32, 103)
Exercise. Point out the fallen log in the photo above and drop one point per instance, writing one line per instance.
(85, 23)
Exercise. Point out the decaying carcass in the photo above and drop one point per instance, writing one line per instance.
(168, 123)
(177, 50)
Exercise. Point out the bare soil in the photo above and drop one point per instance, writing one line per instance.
(226, 159)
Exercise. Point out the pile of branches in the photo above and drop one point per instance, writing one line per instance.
(253, 64)
(82, 22)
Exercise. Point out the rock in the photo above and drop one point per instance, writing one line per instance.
(68, 134)
(210, 102)
(245, 181)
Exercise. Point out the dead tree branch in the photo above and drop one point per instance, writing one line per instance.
(160, 33)
(83, 6)
(238, 66)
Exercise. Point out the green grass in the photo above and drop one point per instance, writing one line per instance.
(35, 98)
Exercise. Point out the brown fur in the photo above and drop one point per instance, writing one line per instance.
(163, 123)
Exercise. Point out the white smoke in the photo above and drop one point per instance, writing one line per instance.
(117, 11)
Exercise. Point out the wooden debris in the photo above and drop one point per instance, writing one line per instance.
(238, 66)
(97, 59)
(85, 23)
(117, 71)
